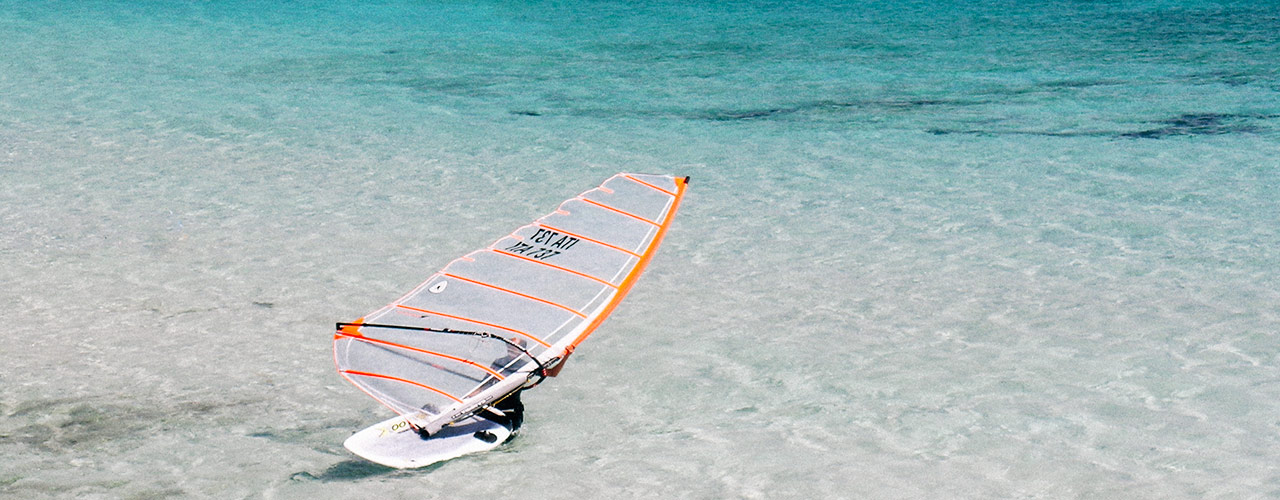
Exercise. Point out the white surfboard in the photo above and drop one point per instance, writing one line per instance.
(394, 443)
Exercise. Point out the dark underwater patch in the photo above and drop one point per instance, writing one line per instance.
(746, 114)
(346, 470)
(1194, 124)
(1190, 124)
(73, 425)
(61, 424)
(828, 106)
(1232, 78)
(1079, 83)
(993, 133)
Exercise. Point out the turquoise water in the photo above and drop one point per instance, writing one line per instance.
(1010, 249)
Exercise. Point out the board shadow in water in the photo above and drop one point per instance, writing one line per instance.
(347, 470)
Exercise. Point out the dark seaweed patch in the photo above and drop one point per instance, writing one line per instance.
(993, 133)
(295, 435)
(1230, 78)
(1079, 83)
(68, 424)
(1194, 124)
(40, 406)
(1191, 124)
(828, 106)
(749, 114)
(82, 425)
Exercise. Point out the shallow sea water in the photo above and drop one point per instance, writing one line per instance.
(931, 250)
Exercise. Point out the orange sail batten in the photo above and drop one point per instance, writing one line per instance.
(464, 361)
(402, 380)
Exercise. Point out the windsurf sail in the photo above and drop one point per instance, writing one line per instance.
(493, 320)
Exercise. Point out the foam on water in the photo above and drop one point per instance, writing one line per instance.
(1015, 250)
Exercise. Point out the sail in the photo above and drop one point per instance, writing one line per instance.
(489, 321)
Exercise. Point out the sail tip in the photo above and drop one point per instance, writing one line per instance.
(349, 329)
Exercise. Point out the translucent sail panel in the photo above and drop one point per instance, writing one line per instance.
(543, 287)
(588, 259)
(464, 364)
(632, 196)
(608, 227)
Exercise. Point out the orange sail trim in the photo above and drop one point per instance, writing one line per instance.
(353, 329)
(628, 214)
(638, 181)
(548, 264)
(584, 238)
(398, 379)
(631, 278)
(478, 322)
(362, 338)
(513, 292)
